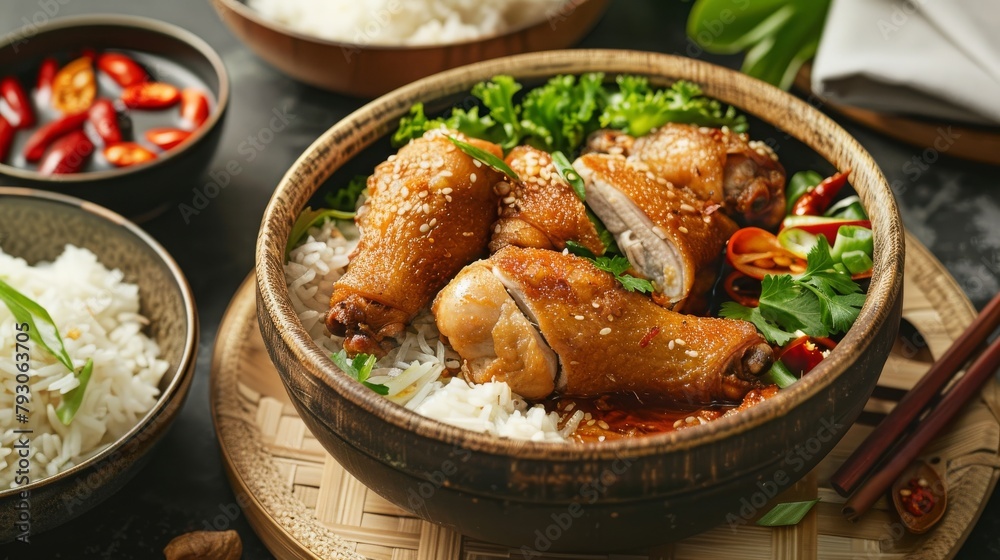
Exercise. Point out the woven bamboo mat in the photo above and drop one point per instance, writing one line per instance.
(304, 505)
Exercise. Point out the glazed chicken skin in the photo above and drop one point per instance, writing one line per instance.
(428, 214)
(671, 237)
(541, 210)
(718, 165)
(607, 340)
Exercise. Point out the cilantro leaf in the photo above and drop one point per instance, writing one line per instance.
(359, 369)
(617, 265)
(633, 284)
(786, 303)
(772, 332)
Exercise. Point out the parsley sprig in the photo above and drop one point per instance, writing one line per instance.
(821, 302)
(616, 265)
(360, 369)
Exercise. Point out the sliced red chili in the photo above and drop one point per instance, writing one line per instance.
(67, 155)
(648, 337)
(804, 353)
(757, 253)
(151, 95)
(17, 100)
(814, 202)
(46, 74)
(194, 107)
(124, 154)
(42, 138)
(105, 120)
(122, 69)
(6, 137)
(167, 138)
(743, 289)
(74, 88)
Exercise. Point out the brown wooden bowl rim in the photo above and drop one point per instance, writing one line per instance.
(241, 9)
(885, 287)
(144, 24)
(184, 368)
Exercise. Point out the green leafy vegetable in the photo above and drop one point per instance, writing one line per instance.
(485, 157)
(346, 199)
(821, 302)
(788, 513)
(572, 177)
(617, 265)
(42, 329)
(778, 35)
(559, 115)
(498, 96)
(360, 369)
(312, 218)
(579, 250)
(780, 375)
(637, 108)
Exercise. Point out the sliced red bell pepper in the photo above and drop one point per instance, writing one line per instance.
(17, 100)
(757, 253)
(817, 200)
(67, 155)
(194, 107)
(122, 69)
(6, 137)
(804, 353)
(151, 95)
(42, 138)
(167, 138)
(124, 154)
(103, 116)
(743, 289)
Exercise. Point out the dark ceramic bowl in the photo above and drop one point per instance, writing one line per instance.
(174, 54)
(621, 495)
(365, 70)
(37, 226)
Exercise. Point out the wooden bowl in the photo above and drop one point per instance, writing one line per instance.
(36, 226)
(371, 70)
(141, 190)
(617, 495)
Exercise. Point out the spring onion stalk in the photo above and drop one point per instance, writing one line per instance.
(780, 375)
(852, 238)
(785, 514)
(857, 261)
(849, 208)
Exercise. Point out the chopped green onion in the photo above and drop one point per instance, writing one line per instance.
(840, 268)
(800, 183)
(485, 157)
(572, 177)
(788, 513)
(857, 262)
(798, 241)
(780, 375)
(849, 208)
(852, 238)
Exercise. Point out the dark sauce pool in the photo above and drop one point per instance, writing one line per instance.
(133, 122)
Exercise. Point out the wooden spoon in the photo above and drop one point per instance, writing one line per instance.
(922, 476)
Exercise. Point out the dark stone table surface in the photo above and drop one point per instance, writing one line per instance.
(951, 205)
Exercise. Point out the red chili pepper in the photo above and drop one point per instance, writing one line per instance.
(151, 95)
(67, 155)
(757, 253)
(194, 107)
(35, 147)
(804, 353)
(74, 87)
(124, 154)
(46, 74)
(649, 337)
(817, 200)
(743, 289)
(17, 100)
(105, 120)
(6, 137)
(88, 53)
(919, 500)
(122, 69)
(167, 138)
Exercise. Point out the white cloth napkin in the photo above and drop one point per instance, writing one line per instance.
(934, 58)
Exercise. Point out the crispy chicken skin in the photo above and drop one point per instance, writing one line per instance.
(671, 237)
(716, 164)
(607, 339)
(541, 210)
(429, 213)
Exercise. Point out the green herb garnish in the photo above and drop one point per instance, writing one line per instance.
(605, 235)
(569, 174)
(616, 265)
(346, 199)
(485, 157)
(42, 329)
(637, 108)
(310, 218)
(360, 369)
(788, 513)
(821, 302)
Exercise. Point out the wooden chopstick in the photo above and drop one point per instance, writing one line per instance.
(866, 457)
(951, 403)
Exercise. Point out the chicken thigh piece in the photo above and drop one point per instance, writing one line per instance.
(607, 340)
(671, 237)
(429, 213)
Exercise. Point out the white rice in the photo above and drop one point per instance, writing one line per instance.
(406, 22)
(97, 315)
(414, 370)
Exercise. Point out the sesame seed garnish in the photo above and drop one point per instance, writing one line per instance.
(678, 423)
(687, 207)
(595, 305)
(604, 425)
(605, 331)
(424, 228)
(509, 200)
(579, 317)
(496, 229)
(472, 177)
(447, 198)
(426, 208)
(591, 422)
(477, 163)
(569, 407)
(682, 229)
(446, 190)
(611, 318)
(670, 345)
(692, 353)
(680, 342)
(405, 192)
(422, 194)
(433, 222)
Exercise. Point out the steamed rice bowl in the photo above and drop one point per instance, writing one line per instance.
(98, 317)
